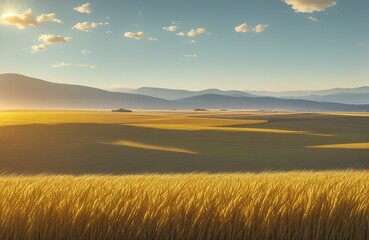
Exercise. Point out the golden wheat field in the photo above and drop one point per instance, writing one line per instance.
(291, 205)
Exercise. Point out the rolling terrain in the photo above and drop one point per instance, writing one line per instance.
(21, 92)
(94, 142)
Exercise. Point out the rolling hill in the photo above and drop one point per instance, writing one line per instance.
(21, 92)
(18, 91)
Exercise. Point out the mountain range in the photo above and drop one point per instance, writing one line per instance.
(22, 92)
(358, 95)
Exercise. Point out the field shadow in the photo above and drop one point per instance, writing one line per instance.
(82, 149)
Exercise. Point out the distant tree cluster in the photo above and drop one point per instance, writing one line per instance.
(122, 110)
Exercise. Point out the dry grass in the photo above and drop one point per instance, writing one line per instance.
(295, 205)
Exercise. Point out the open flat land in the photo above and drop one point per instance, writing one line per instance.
(89, 142)
(141, 175)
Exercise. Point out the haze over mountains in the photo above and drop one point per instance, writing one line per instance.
(338, 95)
(21, 92)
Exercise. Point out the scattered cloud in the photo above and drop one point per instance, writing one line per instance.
(182, 34)
(136, 36)
(313, 19)
(47, 40)
(195, 32)
(88, 26)
(310, 6)
(38, 48)
(27, 20)
(171, 28)
(242, 28)
(193, 41)
(108, 32)
(86, 51)
(84, 8)
(191, 55)
(63, 64)
(53, 39)
(260, 28)
(152, 39)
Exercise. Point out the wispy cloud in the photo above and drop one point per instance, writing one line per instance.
(171, 28)
(27, 20)
(260, 28)
(53, 39)
(86, 51)
(310, 6)
(152, 39)
(38, 48)
(190, 55)
(88, 26)
(313, 19)
(64, 64)
(48, 39)
(133, 35)
(85, 8)
(196, 32)
(181, 34)
(242, 28)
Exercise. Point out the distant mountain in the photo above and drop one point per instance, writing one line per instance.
(173, 94)
(213, 101)
(364, 89)
(17, 91)
(347, 98)
(21, 92)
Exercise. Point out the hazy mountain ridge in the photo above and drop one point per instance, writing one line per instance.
(358, 95)
(17, 91)
(21, 92)
(175, 94)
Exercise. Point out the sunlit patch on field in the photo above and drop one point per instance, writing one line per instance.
(195, 127)
(344, 146)
(133, 144)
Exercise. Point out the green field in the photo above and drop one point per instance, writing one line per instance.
(89, 142)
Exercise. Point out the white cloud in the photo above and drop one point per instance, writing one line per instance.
(136, 36)
(182, 34)
(313, 19)
(38, 48)
(87, 26)
(242, 28)
(171, 28)
(310, 6)
(152, 39)
(191, 55)
(260, 28)
(193, 41)
(86, 51)
(85, 8)
(48, 39)
(108, 32)
(195, 32)
(53, 39)
(63, 64)
(26, 19)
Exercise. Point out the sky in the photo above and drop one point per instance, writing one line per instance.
(270, 45)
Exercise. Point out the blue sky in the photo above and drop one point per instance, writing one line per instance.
(285, 45)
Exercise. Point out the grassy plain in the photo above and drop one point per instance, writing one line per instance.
(133, 175)
(94, 142)
(294, 205)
